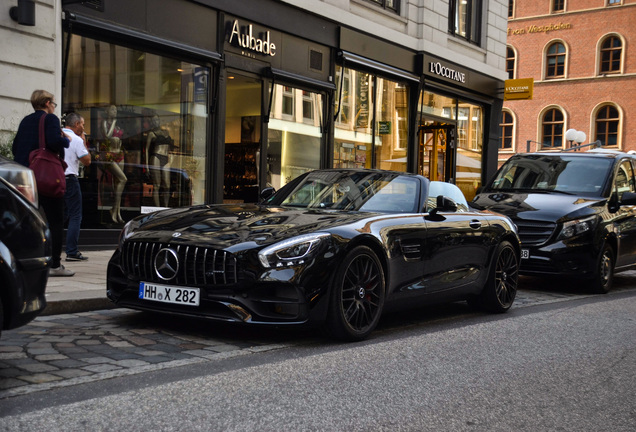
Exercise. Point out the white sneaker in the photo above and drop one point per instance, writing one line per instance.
(60, 271)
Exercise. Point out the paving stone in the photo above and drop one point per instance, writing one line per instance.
(97, 360)
(49, 357)
(10, 383)
(67, 363)
(138, 340)
(89, 342)
(10, 372)
(119, 344)
(71, 373)
(38, 367)
(223, 348)
(41, 351)
(130, 363)
(12, 355)
(10, 349)
(101, 368)
(39, 378)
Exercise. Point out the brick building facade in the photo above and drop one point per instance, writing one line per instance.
(580, 55)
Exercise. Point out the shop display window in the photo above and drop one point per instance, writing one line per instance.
(146, 126)
(371, 129)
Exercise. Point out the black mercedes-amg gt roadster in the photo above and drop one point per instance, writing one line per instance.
(335, 247)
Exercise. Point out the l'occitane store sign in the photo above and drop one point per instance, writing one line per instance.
(518, 89)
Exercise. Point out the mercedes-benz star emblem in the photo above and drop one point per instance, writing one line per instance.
(166, 264)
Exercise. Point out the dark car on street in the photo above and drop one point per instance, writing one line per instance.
(334, 247)
(25, 247)
(575, 211)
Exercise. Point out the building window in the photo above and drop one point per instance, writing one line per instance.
(558, 5)
(393, 5)
(288, 101)
(552, 125)
(510, 63)
(613, 2)
(465, 19)
(611, 50)
(607, 125)
(507, 124)
(555, 61)
(511, 8)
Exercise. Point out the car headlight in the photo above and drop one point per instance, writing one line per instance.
(294, 251)
(127, 231)
(23, 179)
(577, 227)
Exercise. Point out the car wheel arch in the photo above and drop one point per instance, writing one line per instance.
(372, 243)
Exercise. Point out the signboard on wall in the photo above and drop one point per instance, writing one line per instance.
(519, 89)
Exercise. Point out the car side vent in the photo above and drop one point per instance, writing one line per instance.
(315, 60)
(411, 250)
(198, 266)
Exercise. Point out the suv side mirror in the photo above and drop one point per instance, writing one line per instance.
(267, 192)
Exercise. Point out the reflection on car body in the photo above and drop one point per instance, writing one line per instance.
(334, 247)
(576, 212)
(25, 247)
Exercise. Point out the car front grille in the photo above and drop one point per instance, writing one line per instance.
(198, 266)
(534, 233)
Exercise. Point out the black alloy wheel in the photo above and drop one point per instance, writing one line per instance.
(357, 296)
(501, 289)
(603, 278)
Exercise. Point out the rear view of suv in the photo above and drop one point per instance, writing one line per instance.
(576, 212)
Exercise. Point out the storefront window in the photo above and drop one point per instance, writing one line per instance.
(469, 148)
(146, 122)
(366, 125)
(294, 134)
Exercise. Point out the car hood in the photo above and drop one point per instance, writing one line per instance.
(549, 207)
(235, 227)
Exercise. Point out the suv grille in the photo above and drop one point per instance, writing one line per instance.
(197, 265)
(534, 233)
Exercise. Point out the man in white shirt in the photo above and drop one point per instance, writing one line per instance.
(75, 154)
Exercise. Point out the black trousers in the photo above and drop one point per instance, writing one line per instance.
(54, 211)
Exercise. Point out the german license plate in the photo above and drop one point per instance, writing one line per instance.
(169, 294)
(525, 253)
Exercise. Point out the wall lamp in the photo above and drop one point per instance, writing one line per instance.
(24, 12)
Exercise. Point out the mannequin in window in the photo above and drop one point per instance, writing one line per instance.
(113, 156)
(157, 157)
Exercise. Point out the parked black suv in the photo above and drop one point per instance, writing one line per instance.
(576, 212)
(25, 247)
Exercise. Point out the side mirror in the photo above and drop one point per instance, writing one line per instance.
(628, 198)
(267, 192)
(444, 204)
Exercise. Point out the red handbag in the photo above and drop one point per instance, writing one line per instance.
(48, 168)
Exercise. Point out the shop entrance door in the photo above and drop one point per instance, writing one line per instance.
(242, 139)
(436, 151)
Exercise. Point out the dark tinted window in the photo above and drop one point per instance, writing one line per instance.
(568, 174)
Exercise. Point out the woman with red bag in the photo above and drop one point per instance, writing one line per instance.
(27, 140)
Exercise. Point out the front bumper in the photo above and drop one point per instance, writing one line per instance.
(559, 259)
(273, 297)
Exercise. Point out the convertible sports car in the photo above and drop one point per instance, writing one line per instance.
(334, 247)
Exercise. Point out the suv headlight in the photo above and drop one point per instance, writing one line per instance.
(294, 251)
(577, 227)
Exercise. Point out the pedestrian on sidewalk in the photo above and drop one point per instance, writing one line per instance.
(26, 140)
(77, 153)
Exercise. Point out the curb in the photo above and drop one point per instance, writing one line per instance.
(57, 307)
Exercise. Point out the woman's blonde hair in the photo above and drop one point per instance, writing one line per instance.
(39, 98)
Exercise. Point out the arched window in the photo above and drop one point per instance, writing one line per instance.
(611, 50)
(607, 125)
(507, 125)
(510, 62)
(552, 125)
(555, 61)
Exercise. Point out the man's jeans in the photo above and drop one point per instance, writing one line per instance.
(72, 213)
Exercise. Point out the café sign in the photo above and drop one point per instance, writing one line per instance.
(243, 36)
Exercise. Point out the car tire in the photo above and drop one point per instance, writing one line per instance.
(501, 289)
(357, 296)
(603, 279)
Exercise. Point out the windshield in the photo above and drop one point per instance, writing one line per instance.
(354, 191)
(563, 173)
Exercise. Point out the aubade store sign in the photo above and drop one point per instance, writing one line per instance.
(249, 40)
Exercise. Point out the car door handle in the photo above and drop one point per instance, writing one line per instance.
(475, 224)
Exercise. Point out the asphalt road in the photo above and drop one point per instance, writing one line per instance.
(566, 364)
